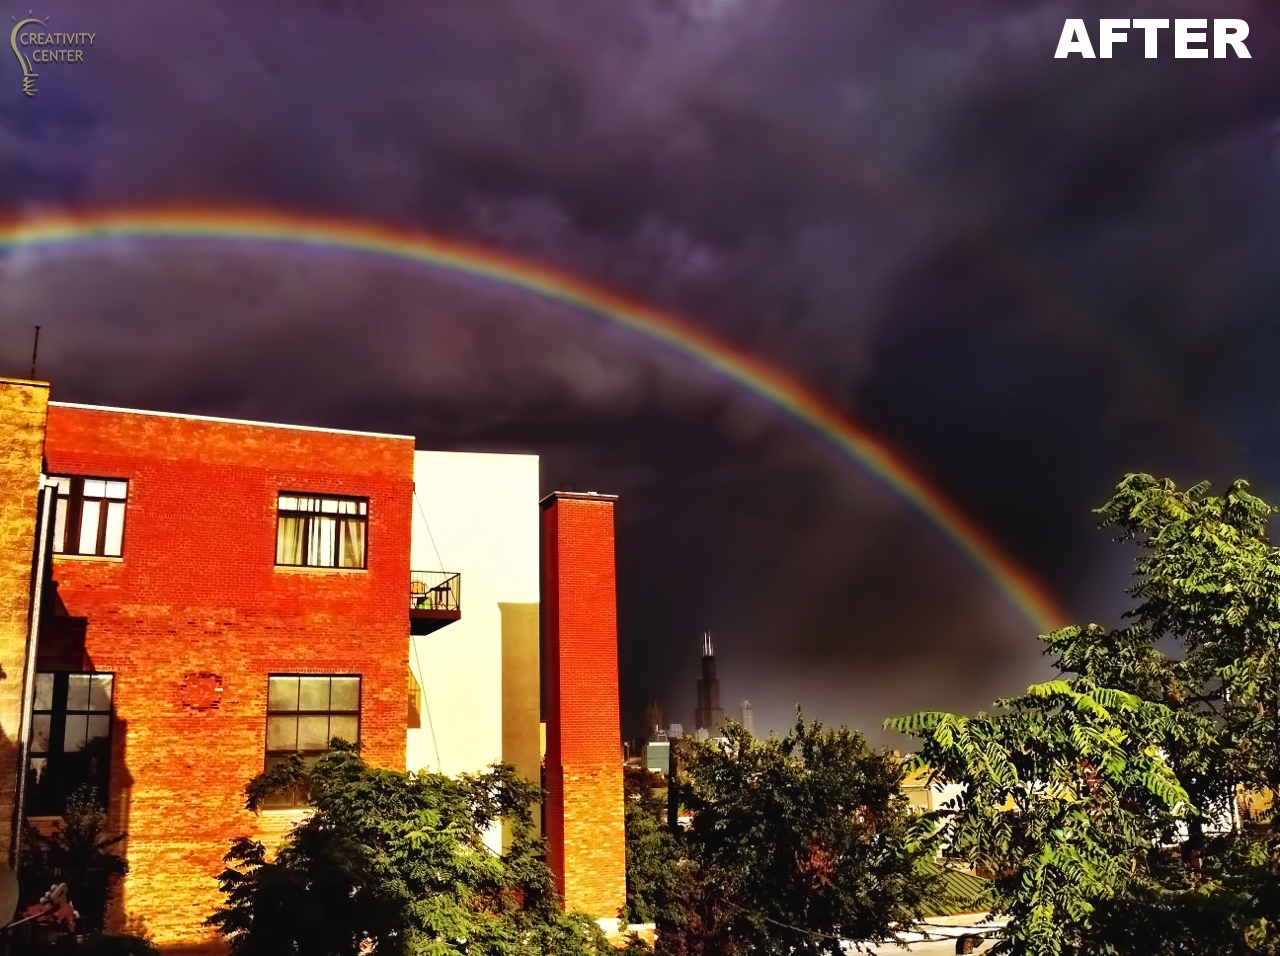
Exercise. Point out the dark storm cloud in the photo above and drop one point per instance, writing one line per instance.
(1030, 274)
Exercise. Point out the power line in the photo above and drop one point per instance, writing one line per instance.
(426, 705)
(422, 684)
(427, 524)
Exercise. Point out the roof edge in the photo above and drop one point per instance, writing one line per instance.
(228, 421)
(555, 496)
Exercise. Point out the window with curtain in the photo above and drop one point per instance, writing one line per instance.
(70, 739)
(304, 713)
(315, 532)
(89, 518)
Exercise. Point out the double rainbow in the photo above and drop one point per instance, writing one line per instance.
(773, 385)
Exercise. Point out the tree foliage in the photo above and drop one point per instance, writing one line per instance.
(395, 863)
(1105, 802)
(654, 884)
(796, 844)
(77, 852)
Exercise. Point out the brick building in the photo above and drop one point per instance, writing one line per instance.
(225, 593)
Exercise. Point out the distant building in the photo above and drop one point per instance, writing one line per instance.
(748, 718)
(654, 748)
(675, 731)
(652, 721)
(709, 715)
(657, 756)
(924, 797)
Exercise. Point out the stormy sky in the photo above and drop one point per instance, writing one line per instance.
(1027, 275)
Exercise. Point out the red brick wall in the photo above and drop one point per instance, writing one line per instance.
(196, 604)
(584, 805)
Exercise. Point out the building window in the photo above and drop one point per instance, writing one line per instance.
(316, 532)
(90, 516)
(70, 740)
(304, 713)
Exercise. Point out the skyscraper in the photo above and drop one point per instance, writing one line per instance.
(653, 721)
(709, 715)
(748, 718)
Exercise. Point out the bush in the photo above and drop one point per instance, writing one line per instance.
(77, 853)
(397, 861)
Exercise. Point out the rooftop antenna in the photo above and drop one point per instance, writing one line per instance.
(707, 649)
(35, 350)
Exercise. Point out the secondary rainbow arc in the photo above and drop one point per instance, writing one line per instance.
(775, 386)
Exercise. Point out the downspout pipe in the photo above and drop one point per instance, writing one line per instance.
(39, 579)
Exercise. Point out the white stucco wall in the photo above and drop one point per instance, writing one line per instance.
(482, 511)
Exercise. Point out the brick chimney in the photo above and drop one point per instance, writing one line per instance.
(583, 771)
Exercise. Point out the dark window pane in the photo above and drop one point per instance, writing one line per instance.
(60, 525)
(314, 693)
(346, 726)
(90, 516)
(114, 535)
(71, 745)
(352, 545)
(99, 727)
(290, 535)
(321, 532)
(78, 691)
(285, 800)
(100, 693)
(322, 537)
(44, 691)
(89, 526)
(321, 708)
(282, 694)
(282, 733)
(42, 798)
(76, 734)
(40, 733)
(313, 732)
(345, 694)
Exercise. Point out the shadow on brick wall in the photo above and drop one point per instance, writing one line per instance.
(63, 648)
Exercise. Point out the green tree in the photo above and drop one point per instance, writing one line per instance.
(796, 844)
(653, 855)
(76, 852)
(397, 861)
(1105, 801)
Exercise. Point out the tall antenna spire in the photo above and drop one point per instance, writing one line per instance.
(709, 715)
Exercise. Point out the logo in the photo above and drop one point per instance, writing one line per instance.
(33, 43)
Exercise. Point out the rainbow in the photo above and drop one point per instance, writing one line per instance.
(774, 386)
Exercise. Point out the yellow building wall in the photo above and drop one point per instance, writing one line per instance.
(23, 408)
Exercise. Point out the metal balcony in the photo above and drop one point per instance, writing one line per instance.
(434, 600)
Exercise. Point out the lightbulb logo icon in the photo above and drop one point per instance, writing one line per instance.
(28, 74)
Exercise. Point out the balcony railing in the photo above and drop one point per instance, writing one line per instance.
(434, 600)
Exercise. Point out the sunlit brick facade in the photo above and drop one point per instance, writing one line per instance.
(211, 580)
(23, 407)
(196, 614)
